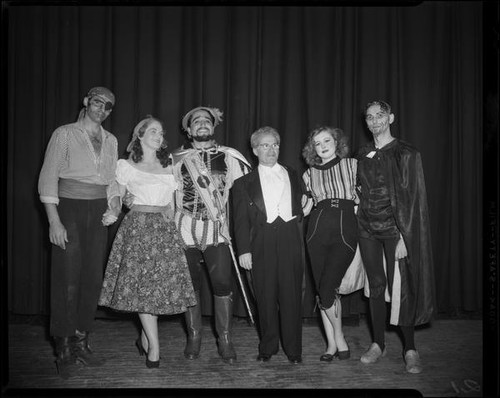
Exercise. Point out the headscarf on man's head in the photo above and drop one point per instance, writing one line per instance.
(104, 94)
(215, 113)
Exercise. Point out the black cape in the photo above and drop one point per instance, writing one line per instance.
(404, 176)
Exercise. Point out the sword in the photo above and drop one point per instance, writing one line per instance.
(238, 274)
(210, 186)
(235, 261)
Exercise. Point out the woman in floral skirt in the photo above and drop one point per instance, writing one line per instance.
(147, 270)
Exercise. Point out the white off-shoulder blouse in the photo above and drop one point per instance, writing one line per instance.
(147, 188)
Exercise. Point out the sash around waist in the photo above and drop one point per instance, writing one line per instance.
(149, 209)
(74, 189)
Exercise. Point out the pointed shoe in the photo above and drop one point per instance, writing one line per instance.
(373, 354)
(412, 360)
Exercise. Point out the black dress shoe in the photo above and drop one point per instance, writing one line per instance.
(264, 358)
(295, 360)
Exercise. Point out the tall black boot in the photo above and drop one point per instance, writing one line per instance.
(194, 327)
(83, 352)
(223, 324)
(66, 359)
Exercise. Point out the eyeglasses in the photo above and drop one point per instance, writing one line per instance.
(97, 103)
(266, 146)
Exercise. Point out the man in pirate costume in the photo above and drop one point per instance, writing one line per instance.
(77, 172)
(206, 172)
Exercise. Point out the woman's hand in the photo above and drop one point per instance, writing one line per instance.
(109, 217)
(128, 199)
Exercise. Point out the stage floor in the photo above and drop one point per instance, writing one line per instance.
(451, 351)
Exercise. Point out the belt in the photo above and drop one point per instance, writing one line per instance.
(336, 203)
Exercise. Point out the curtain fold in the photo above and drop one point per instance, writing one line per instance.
(292, 68)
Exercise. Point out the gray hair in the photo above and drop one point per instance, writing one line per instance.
(257, 135)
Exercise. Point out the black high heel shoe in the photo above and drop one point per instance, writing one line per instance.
(142, 351)
(152, 364)
(346, 354)
(328, 357)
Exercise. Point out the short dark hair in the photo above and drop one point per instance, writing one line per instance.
(383, 105)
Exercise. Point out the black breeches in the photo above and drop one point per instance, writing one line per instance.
(218, 262)
(331, 242)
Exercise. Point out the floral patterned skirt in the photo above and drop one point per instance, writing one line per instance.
(147, 270)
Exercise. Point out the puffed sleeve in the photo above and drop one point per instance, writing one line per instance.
(117, 186)
(123, 172)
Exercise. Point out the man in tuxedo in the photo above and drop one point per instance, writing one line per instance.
(267, 228)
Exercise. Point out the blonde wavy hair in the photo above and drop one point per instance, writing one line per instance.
(309, 152)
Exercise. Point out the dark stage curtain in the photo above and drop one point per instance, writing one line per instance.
(290, 67)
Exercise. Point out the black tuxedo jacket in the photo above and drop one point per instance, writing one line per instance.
(249, 211)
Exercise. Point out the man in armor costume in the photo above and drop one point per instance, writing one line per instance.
(206, 172)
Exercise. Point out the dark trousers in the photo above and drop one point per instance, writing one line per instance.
(372, 251)
(332, 238)
(77, 272)
(278, 272)
(218, 262)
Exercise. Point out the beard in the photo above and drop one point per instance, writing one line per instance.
(203, 137)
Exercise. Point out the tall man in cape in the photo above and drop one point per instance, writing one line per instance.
(206, 172)
(394, 222)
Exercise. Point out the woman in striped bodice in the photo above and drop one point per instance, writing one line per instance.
(332, 229)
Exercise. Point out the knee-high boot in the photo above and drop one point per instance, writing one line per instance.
(66, 359)
(223, 306)
(83, 351)
(194, 327)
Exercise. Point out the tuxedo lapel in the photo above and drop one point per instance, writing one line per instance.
(255, 191)
(296, 192)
